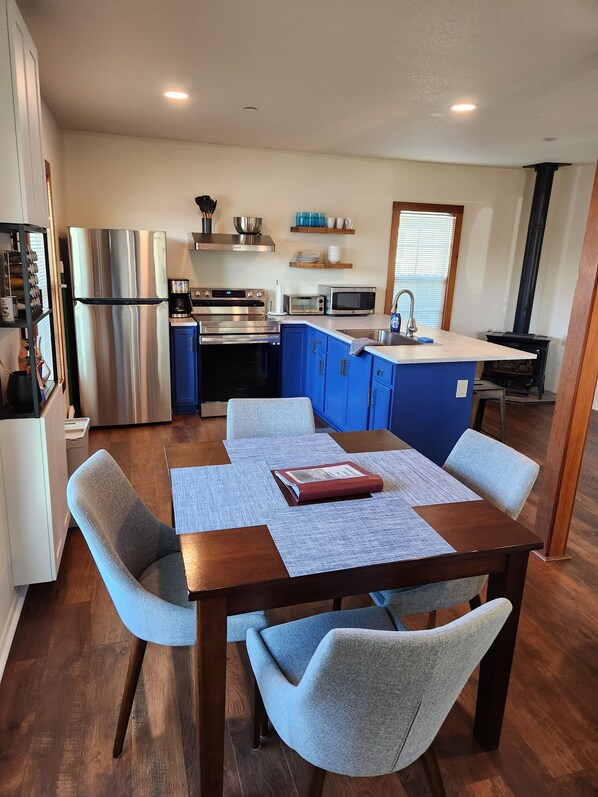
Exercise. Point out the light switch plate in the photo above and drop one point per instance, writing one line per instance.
(462, 385)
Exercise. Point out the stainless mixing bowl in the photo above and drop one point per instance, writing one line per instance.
(248, 225)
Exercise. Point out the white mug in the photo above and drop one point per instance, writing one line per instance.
(330, 222)
(348, 224)
(7, 308)
(334, 254)
(339, 222)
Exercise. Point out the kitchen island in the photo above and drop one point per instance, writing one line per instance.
(422, 393)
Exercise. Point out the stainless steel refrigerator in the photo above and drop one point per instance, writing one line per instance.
(121, 325)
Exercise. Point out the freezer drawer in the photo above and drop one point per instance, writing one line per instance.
(124, 362)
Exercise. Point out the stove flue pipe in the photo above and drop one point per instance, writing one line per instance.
(533, 243)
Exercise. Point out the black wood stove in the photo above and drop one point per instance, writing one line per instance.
(521, 376)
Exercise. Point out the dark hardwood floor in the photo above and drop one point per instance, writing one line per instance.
(61, 689)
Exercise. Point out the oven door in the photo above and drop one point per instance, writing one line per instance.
(237, 366)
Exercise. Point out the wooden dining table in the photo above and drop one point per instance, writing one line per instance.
(232, 571)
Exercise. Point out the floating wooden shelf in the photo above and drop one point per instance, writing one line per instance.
(296, 264)
(323, 230)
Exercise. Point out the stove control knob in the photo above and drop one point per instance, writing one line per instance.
(206, 293)
(258, 295)
(250, 294)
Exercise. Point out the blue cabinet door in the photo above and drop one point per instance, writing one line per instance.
(294, 360)
(316, 369)
(337, 383)
(380, 405)
(359, 372)
(183, 368)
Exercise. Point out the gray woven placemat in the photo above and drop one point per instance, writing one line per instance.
(298, 451)
(223, 496)
(413, 478)
(322, 537)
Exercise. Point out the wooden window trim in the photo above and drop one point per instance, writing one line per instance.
(457, 212)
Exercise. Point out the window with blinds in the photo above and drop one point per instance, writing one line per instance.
(423, 256)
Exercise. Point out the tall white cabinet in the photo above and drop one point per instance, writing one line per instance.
(33, 450)
(34, 462)
(22, 172)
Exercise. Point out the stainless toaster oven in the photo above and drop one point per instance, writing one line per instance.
(298, 304)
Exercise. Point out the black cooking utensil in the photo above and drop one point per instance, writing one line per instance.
(205, 203)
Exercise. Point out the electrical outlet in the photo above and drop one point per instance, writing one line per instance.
(462, 385)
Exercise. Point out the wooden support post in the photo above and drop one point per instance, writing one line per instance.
(574, 400)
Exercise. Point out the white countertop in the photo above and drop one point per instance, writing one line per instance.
(447, 346)
(182, 322)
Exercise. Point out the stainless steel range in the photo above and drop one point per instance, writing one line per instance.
(239, 347)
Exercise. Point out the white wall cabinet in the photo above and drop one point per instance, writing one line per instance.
(35, 477)
(23, 197)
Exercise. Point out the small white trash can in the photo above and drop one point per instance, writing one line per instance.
(77, 446)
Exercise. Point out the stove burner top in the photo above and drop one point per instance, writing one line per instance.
(228, 311)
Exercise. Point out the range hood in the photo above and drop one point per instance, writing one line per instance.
(217, 242)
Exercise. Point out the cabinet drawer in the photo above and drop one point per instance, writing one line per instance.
(318, 341)
(383, 371)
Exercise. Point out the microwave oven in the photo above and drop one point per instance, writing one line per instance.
(348, 299)
(295, 304)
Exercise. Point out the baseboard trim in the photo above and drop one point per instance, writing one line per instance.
(11, 627)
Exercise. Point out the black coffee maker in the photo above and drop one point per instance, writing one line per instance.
(179, 299)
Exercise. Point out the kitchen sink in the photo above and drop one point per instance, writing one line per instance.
(383, 336)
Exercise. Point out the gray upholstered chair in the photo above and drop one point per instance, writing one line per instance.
(139, 559)
(497, 473)
(274, 417)
(354, 693)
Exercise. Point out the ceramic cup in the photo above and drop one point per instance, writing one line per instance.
(339, 222)
(348, 224)
(7, 308)
(330, 222)
(334, 254)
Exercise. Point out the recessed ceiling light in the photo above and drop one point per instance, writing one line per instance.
(250, 108)
(549, 138)
(463, 107)
(176, 95)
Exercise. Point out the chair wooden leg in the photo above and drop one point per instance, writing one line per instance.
(475, 602)
(133, 672)
(316, 783)
(431, 620)
(259, 718)
(433, 774)
(336, 604)
(501, 406)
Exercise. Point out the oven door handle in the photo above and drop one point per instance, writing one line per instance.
(219, 340)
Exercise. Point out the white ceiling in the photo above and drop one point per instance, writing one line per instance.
(332, 76)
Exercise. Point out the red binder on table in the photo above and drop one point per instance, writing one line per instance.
(328, 481)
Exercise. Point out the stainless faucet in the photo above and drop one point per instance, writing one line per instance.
(411, 325)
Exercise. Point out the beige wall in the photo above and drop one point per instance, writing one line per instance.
(113, 181)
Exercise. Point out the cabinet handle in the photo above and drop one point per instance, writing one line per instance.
(379, 372)
(343, 366)
(371, 397)
(321, 368)
(313, 345)
(190, 344)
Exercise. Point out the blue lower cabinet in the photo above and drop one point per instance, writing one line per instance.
(426, 412)
(315, 372)
(380, 406)
(183, 368)
(294, 360)
(359, 376)
(347, 387)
